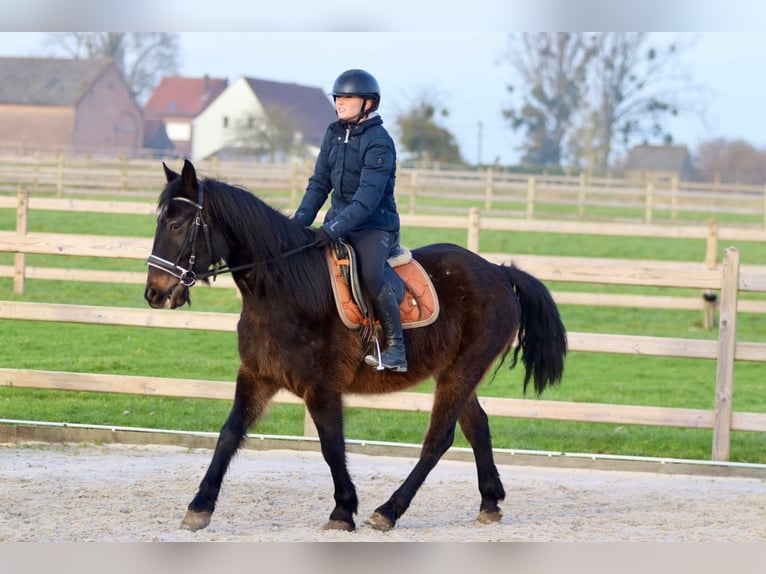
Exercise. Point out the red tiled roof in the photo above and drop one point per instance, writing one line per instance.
(183, 97)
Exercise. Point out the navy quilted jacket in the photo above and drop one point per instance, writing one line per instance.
(358, 165)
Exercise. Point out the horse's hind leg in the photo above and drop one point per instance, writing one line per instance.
(327, 413)
(475, 426)
(250, 399)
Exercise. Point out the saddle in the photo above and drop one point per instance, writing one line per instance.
(419, 304)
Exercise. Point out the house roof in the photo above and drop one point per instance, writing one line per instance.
(47, 81)
(310, 107)
(183, 97)
(657, 158)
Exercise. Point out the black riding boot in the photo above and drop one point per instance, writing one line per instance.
(394, 357)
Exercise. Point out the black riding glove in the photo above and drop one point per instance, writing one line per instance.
(322, 238)
(300, 218)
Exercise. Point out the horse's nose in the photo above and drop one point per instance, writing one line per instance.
(153, 297)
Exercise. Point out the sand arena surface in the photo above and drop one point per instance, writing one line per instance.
(140, 493)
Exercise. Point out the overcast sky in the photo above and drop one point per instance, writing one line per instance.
(465, 69)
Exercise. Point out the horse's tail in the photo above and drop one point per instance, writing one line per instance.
(542, 338)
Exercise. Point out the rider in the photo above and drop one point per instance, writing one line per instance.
(357, 163)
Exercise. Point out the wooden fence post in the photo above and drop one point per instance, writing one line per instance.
(764, 205)
(710, 298)
(60, 175)
(413, 189)
(20, 261)
(296, 176)
(648, 202)
(124, 171)
(489, 189)
(309, 428)
(36, 179)
(531, 184)
(724, 384)
(473, 229)
(674, 198)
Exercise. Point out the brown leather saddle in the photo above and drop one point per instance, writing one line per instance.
(419, 305)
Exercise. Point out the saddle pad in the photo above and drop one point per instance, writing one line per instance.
(420, 306)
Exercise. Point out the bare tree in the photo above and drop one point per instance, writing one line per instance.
(143, 58)
(584, 95)
(731, 161)
(637, 85)
(553, 68)
(267, 135)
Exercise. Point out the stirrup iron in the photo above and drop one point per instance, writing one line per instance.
(379, 355)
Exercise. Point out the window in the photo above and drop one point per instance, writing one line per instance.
(178, 131)
(226, 121)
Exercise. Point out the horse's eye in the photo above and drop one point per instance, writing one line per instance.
(174, 227)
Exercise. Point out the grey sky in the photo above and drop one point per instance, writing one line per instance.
(466, 72)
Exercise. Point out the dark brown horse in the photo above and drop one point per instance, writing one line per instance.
(291, 337)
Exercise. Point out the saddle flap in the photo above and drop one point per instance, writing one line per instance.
(345, 258)
(419, 306)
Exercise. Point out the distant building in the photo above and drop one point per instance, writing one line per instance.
(170, 111)
(250, 115)
(659, 163)
(78, 106)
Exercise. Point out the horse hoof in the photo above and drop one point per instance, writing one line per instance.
(487, 517)
(339, 525)
(195, 520)
(379, 522)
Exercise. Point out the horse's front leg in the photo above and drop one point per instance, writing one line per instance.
(449, 398)
(326, 409)
(251, 397)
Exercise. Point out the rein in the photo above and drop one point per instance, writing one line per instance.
(186, 275)
(227, 269)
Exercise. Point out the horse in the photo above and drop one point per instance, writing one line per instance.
(290, 336)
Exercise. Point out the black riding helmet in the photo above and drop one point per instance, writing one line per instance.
(358, 83)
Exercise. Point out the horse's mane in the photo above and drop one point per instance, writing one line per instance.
(255, 232)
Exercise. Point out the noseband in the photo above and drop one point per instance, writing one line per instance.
(186, 275)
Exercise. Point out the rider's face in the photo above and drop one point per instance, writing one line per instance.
(348, 107)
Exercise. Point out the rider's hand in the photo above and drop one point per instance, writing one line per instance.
(322, 238)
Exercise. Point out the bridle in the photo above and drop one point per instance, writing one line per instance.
(186, 275)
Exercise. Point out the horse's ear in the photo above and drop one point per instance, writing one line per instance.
(170, 175)
(189, 175)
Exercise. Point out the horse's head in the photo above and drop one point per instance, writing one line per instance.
(182, 246)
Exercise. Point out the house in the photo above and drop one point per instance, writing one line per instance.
(78, 106)
(171, 109)
(260, 118)
(156, 138)
(658, 163)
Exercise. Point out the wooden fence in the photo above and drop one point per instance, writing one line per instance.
(729, 279)
(473, 222)
(419, 190)
(580, 197)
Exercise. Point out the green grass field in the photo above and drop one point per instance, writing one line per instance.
(589, 377)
